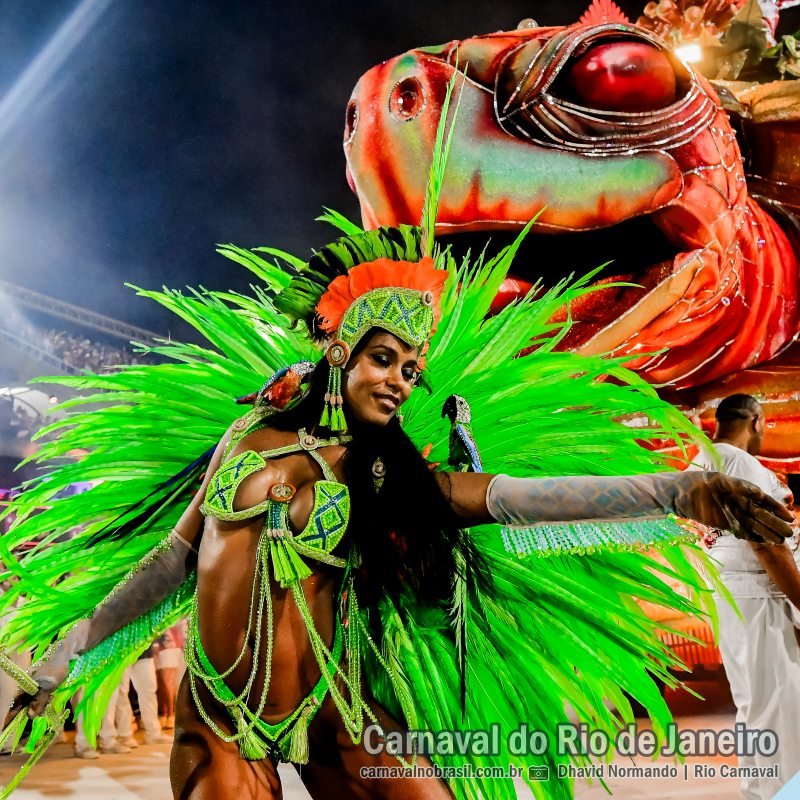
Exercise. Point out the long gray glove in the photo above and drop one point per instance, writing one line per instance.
(162, 571)
(711, 498)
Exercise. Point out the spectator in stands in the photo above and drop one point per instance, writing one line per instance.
(79, 352)
(759, 650)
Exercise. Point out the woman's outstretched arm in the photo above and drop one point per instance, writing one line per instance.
(706, 497)
(160, 573)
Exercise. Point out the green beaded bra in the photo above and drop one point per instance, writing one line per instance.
(329, 517)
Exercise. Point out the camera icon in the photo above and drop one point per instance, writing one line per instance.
(539, 773)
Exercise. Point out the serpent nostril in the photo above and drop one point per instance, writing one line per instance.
(350, 121)
(407, 99)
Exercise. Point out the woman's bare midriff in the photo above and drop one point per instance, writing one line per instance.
(225, 577)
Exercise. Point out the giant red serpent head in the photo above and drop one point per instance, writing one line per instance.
(624, 153)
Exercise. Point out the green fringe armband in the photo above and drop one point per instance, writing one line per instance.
(579, 538)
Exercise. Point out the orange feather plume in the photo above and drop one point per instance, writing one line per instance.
(346, 289)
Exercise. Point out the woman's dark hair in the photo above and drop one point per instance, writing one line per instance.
(406, 533)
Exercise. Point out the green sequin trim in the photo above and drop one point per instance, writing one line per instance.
(135, 636)
(327, 522)
(20, 677)
(329, 517)
(261, 622)
(274, 737)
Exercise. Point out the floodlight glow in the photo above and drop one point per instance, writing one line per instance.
(689, 53)
(28, 87)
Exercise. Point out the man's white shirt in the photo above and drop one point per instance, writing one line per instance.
(744, 576)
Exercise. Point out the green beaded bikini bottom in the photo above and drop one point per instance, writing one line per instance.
(286, 740)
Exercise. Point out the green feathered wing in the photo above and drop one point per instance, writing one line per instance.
(561, 629)
(147, 432)
(556, 630)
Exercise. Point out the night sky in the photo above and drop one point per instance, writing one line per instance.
(172, 125)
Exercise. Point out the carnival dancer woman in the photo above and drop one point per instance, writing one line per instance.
(340, 581)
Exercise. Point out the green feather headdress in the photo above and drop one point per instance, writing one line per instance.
(365, 281)
(301, 295)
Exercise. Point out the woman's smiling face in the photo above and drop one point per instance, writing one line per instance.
(379, 379)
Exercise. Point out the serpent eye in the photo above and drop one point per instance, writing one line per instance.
(622, 76)
(406, 100)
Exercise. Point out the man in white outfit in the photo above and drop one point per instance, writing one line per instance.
(107, 737)
(759, 651)
(116, 731)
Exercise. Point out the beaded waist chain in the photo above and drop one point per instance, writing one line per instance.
(286, 740)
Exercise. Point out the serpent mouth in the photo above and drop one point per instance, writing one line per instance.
(636, 251)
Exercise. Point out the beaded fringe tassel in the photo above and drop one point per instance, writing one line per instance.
(250, 745)
(298, 741)
(579, 538)
(332, 413)
(287, 565)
